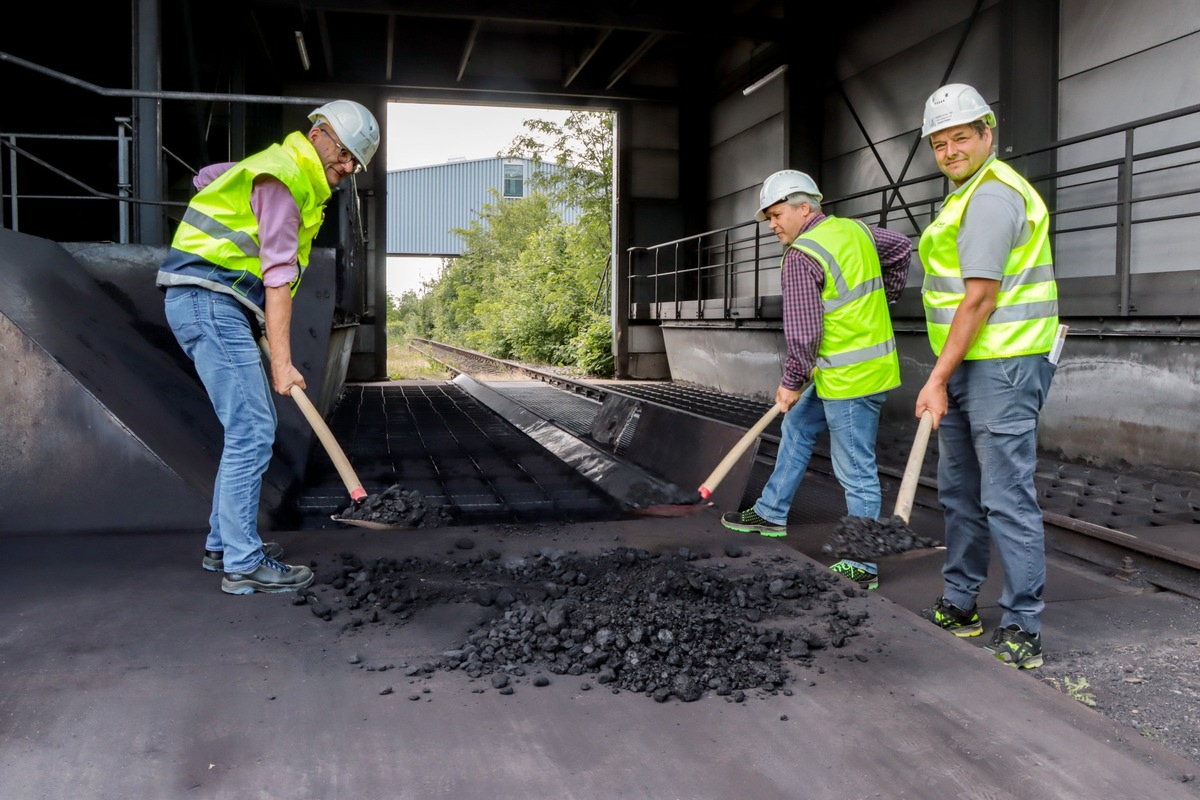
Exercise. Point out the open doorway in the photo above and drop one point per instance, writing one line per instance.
(428, 135)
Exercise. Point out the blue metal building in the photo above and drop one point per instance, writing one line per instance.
(425, 204)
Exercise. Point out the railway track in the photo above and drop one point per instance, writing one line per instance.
(1137, 528)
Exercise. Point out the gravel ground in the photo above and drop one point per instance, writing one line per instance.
(1154, 687)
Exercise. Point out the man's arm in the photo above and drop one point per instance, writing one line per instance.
(803, 323)
(972, 314)
(279, 336)
(994, 224)
(895, 259)
(279, 242)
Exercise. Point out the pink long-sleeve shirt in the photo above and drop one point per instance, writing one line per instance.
(278, 223)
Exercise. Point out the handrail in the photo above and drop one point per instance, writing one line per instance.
(161, 95)
(126, 193)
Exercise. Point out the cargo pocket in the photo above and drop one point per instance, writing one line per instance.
(1011, 452)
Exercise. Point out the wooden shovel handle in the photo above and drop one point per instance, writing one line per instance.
(353, 485)
(718, 474)
(340, 462)
(912, 472)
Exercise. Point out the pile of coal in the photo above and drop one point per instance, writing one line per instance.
(659, 624)
(400, 508)
(865, 539)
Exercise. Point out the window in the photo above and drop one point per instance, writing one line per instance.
(514, 179)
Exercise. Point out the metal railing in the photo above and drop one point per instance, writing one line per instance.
(10, 200)
(733, 273)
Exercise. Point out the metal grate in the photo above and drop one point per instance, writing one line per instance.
(437, 440)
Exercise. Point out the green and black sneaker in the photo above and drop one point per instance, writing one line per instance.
(749, 521)
(1016, 648)
(954, 619)
(853, 571)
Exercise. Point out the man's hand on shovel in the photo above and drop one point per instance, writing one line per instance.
(288, 385)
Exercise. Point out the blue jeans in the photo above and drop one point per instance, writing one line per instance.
(987, 455)
(853, 426)
(214, 332)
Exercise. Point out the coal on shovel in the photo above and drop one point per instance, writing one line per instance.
(865, 539)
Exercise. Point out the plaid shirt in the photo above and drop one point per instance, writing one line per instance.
(803, 280)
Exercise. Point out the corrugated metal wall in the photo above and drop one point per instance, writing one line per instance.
(424, 204)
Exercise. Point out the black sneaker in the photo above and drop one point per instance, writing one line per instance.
(954, 619)
(214, 560)
(1016, 648)
(269, 576)
(749, 521)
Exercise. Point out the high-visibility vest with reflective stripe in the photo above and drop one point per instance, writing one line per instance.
(857, 356)
(217, 244)
(1026, 316)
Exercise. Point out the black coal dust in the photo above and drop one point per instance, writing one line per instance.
(398, 508)
(662, 625)
(644, 495)
(863, 538)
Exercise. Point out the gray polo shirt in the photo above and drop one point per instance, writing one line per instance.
(992, 227)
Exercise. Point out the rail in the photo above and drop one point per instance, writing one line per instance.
(1074, 499)
(1101, 191)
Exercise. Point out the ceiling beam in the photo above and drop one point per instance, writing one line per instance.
(696, 22)
(467, 48)
(633, 58)
(573, 73)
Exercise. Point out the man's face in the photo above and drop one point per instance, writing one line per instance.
(336, 159)
(960, 151)
(786, 221)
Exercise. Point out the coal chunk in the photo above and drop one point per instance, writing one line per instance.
(863, 538)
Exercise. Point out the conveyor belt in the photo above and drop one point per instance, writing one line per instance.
(433, 437)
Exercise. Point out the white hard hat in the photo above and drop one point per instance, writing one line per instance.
(781, 186)
(954, 104)
(354, 125)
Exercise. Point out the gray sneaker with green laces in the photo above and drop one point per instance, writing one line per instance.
(1015, 647)
(950, 617)
(853, 571)
(749, 521)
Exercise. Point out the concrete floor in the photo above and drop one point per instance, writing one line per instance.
(126, 673)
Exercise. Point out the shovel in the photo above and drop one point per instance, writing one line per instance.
(340, 462)
(348, 476)
(864, 539)
(692, 505)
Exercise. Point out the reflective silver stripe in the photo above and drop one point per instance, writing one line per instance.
(1026, 277)
(836, 271)
(860, 291)
(857, 356)
(1023, 311)
(1043, 309)
(203, 222)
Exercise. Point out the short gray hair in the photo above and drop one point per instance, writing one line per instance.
(796, 198)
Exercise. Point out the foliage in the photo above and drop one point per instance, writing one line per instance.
(526, 281)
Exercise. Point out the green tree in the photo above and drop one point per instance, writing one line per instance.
(526, 284)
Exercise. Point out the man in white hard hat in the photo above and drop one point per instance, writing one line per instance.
(838, 278)
(991, 310)
(234, 265)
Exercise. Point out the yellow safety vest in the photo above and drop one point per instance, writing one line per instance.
(857, 356)
(1026, 316)
(217, 243)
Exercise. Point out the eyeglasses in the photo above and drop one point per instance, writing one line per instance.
(344, 156)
